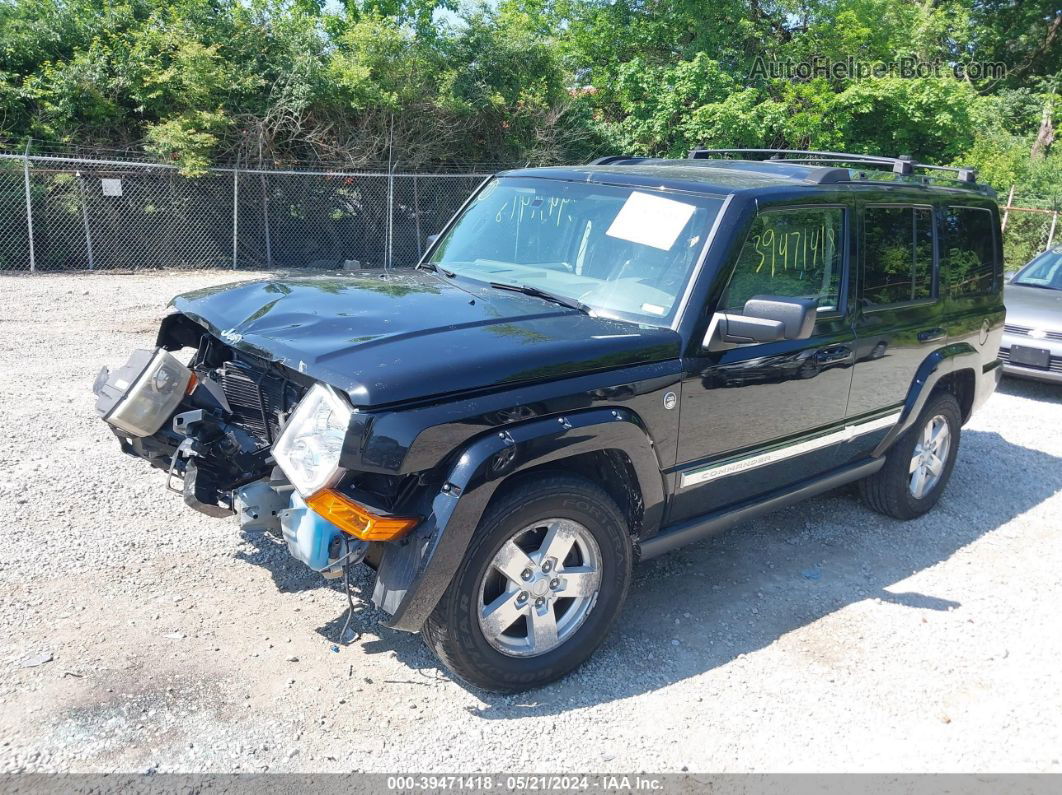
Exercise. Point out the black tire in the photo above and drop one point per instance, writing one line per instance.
(888, 490)
(453, 630)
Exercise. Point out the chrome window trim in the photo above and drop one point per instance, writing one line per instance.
(870, 310)
(736, 465)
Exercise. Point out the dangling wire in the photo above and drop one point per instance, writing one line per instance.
(350, 603)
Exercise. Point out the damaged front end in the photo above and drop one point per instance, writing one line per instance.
(238, 434)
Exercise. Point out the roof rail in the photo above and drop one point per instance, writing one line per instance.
(610, 159)
(903, 165)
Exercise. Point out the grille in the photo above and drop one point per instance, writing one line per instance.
(1024, 330)
(1055, 366)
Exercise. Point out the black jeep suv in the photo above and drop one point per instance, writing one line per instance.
(590, 366)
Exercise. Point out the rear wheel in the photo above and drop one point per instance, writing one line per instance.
(543, 580)
(918, 466)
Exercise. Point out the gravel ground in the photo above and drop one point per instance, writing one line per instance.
(823, 637)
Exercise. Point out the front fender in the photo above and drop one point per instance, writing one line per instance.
(412, 579)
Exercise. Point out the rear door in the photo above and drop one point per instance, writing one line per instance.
(899, 319)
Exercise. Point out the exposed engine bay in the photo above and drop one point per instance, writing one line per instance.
(216, 426)
(218, 435)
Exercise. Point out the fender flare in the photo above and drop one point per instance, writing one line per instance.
(481, 468)
(939, 364)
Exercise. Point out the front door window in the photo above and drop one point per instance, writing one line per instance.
(790, 253)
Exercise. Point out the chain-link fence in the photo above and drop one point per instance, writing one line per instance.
(1030, 225)
(62, 213)
(66, 213)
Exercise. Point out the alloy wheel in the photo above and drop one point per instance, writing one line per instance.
(539, 588)
(930, 456)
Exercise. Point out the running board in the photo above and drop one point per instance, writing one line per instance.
(710, 524)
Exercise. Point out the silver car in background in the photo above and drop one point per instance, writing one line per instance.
(1032, 336)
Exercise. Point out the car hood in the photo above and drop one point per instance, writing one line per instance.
(391, 337)
(1033, 307)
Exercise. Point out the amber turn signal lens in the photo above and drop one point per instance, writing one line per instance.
(355, 519)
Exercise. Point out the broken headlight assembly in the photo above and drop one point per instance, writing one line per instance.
(308, 453)
(309, 446)
(141, 395)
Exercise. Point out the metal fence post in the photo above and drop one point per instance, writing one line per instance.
(1051, 234)
(85, 219)
(416, 213)
(390, 218)
(235, 209)
(265, 218)
(29, 207)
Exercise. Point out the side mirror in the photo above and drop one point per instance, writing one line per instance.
(769, 318)
(741, 329)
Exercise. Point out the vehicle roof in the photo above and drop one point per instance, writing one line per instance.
(720, 176)
(717, 176)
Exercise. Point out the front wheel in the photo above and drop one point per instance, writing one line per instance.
(918, 466)
(541, 585)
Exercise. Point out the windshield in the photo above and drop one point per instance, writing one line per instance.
(624, 252)
(1044, 271)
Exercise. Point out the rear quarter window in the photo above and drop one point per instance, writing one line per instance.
(969, 251)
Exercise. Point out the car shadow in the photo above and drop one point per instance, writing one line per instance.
(707, 604)
(289, 575)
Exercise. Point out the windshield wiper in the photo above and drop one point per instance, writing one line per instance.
(439, 269)
(527, 289)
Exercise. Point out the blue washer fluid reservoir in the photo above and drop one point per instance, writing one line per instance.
(308, 535)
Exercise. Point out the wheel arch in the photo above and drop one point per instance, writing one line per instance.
(961, 383)
(610, 469)
(951, 367)
(588, 442)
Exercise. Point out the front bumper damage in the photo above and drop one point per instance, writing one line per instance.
(215, 448)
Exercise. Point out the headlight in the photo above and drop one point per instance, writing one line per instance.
(142, 395)
(308, 449)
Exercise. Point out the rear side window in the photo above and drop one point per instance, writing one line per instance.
(897, 255)
(968, 251)
(790, 253)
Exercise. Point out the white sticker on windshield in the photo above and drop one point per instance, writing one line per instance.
(651, 220)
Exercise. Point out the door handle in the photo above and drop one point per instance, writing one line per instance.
(931, 335)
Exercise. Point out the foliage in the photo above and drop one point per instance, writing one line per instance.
(426, 83)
